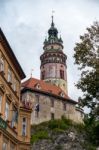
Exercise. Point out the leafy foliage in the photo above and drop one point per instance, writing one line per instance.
(59, 124)
(87, 58)
(39, 135)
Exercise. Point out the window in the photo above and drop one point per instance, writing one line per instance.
(7, 110)
(2, 64)
(62, 94)
(4, 147)
(38, 86)
(14, 116)
(52, 116)
(43, 75)
(9, 76)
(12, 146)
(37, 110)
(64, 106)
(52, 103)
(0, 102)
(14, 85)
(24, 126)
(61, 74)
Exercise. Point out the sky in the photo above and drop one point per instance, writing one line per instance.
(25, 24)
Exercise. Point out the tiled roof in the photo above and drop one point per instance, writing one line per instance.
(42, 86)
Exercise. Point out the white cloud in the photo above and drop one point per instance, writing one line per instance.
(25, 24)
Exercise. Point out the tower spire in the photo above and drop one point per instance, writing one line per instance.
(52, 24)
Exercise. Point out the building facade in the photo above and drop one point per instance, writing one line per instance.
(48, 102)
(14, 117)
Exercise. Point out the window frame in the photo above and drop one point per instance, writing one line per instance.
(52, 116)
(24, 124)
(14, 120)
(14, 84)
(52, 103)
(0, 102)
(62, 74)
(5, 147)
(9, 76)
(2, 64)
(7, 111)
(64, 106)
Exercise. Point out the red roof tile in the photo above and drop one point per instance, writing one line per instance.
(43, 86)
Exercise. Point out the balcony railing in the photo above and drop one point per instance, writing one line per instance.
(3, 124)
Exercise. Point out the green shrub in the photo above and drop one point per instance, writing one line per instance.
(67, 121)
(60, 124)
(57, 130)
(90, 147)
(39, 135)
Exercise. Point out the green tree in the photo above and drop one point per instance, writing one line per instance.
(87, 58)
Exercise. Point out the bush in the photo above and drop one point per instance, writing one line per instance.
(67, 121)
(57, 130)
(89, 147)
(60, 124)
(39, 135)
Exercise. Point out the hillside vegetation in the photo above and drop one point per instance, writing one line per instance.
(64, 135)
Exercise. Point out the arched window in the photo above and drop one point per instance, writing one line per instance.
(62, 74)
(43, 75)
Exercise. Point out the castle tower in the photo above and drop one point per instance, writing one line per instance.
(53, 60)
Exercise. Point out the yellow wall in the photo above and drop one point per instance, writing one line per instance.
(12, 135)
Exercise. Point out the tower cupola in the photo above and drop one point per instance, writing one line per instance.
(52, 31)
(53, 38)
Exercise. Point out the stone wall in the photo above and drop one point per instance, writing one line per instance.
(49, 108)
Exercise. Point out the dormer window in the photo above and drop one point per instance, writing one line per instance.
(1, 64)
(62, 94)
(37, 86)
(9, 75)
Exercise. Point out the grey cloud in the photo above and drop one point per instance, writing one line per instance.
(25, 23)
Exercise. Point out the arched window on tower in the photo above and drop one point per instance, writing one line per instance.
(43, 75)
(62, 74)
